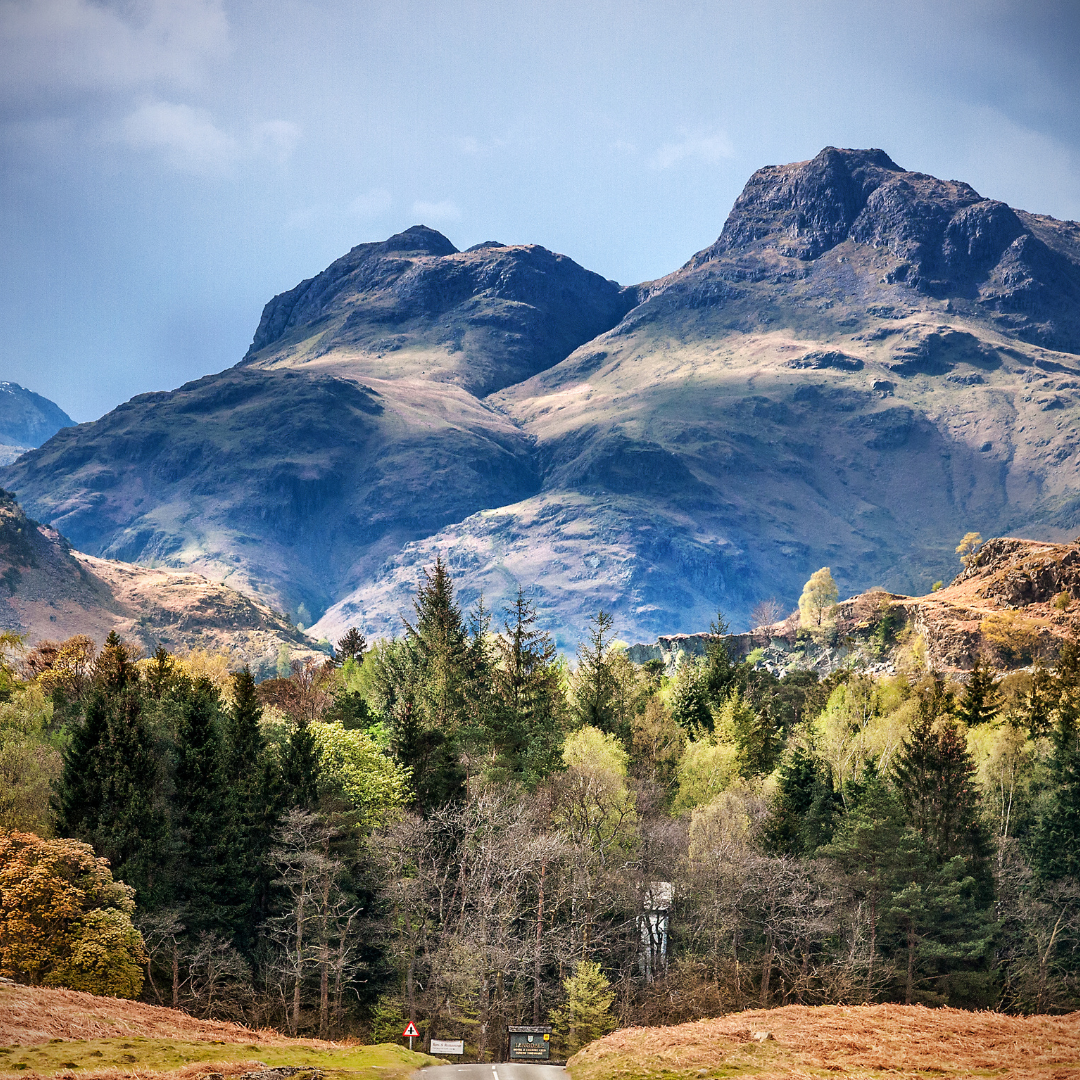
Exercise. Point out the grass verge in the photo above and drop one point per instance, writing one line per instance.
(87, 1059)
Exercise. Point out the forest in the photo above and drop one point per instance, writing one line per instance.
(459, 828)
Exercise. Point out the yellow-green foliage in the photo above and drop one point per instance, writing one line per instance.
(104, 956)
(586, 1016)
(29, 764)
(134, 1054)
(863, 720)
(63, 920)
(1006, 759)
(353, 768)
(818, 599)
(729, 818)
(1014, 638)
(597, 806)
(705, 769)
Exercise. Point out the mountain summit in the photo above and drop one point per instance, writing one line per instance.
(867, 363)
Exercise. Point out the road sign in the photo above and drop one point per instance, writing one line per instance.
(410, 1032)
(447, 1046)
(530, 1043)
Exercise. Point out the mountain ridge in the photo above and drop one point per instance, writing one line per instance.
(866, 363)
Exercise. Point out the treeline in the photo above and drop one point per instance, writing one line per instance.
(454, 827)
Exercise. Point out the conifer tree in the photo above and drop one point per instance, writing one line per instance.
(866, 846)
(980, 701)
(594, 682)
(300, 770)
(526, 683)
(1056, 843)
(251, 791)
(720, 670)
(202, 813)
(351, 646)
(935, 781)
(805, 806)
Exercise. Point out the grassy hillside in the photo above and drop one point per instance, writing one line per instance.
(841, 1041)
(62, 1032)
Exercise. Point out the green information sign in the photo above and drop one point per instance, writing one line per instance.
(530, 1043)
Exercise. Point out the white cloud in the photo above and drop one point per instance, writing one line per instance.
(436, 211)
(52, 51)
(190, 141)
(275, 139)
(697, 146)
(188, 138)
(371, 203)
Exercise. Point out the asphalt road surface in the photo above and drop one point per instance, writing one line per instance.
(505, 1070)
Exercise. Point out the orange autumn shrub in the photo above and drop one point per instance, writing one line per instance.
(64, 921)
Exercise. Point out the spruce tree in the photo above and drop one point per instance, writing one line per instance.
(802, 815)
(202, 814)
(866, 846)
(1056, 841)
(594, 682)
(720, 670)
(528, 692)
(980, 701)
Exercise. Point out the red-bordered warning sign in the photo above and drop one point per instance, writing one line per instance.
(410, 1032)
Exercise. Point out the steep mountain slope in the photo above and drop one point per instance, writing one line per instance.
(866, 364)
(351, 427)
(48, 590)
(26, 419)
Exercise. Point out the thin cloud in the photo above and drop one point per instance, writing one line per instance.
(372, 203)
(190, 141)
(54, 52)
(708, 148)
(188, 138)
(275, 139)
(436, 211)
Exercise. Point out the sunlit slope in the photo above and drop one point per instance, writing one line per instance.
(351, 427)
(867, 364)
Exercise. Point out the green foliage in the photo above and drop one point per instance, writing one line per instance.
(706, 768)
(595, 691)
(30, 761)
(587, 1015)
(804, 806)
(690, 699)
(980, 701)
(105, 956)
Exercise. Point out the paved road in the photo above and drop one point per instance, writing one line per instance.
(506, 1070)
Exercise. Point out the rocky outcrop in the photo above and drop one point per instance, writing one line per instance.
(48, 590)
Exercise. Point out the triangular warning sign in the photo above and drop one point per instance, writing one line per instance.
(410, 1032)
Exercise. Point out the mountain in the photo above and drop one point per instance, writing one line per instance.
(50, 591)
(866, 364)
(352, 426)
(26, 420)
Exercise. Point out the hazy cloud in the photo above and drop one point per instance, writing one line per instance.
(436, 211)
(275, 139)
(693, 147)
(188, 138)
(371, 203)
(55, 51)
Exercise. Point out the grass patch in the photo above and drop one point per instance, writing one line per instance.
(138, 1055)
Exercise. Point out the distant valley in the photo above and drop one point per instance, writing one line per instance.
(866, 364)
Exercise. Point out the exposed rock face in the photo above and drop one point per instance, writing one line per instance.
(49, 590)
(351, 428)
(866, 364)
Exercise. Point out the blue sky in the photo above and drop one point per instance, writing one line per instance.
(169, 165)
